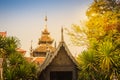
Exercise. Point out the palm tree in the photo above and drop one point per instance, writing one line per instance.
(108, 57)
(15, 67)
(88, 65)
(20, 68)
(11, 44)
(8, 45)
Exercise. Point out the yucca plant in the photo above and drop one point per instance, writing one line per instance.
(107, 55)
(88, 65)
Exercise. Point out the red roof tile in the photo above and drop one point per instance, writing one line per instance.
(21, 51)
(39, 60)
(29, 59)
(3, 34)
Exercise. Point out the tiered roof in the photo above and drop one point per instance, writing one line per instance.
(45, 41)
(44, 48)
(45, 37)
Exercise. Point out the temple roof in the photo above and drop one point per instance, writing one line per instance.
(3, 34)
(38, 60)
(29, 59)
(51, 57)
(21, 51)
(45, 31)
(44, 48)
(45, 37)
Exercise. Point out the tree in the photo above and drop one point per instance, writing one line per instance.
(100, 7)
(104, 26)
(101, 34)
(19, 69)
(15, 67)
(87, 65)
(8, 45)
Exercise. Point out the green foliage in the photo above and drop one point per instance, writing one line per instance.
(101, 61)
(100, 7)
(77, 35)
(87, 65)
(8, 45)
(20, 68)
(15, 67)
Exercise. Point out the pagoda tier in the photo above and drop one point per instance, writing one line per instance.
(42, 49)
(45, 38)
(45, 48)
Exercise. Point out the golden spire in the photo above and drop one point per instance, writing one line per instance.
(62, 36)
(46, 22)
(45, 18)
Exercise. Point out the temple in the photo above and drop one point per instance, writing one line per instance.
(54, 63)
(60, 65)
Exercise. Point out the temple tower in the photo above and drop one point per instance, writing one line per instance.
(44, 43)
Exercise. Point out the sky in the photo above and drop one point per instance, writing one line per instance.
(24, 19)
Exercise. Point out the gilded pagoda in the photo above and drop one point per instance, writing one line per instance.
(44, 43)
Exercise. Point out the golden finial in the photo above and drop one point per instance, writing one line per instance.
(46, 22)
(45, 18)
(62, 37)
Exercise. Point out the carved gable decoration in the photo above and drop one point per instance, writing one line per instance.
(62, 59)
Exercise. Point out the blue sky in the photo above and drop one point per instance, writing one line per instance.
(25, 18)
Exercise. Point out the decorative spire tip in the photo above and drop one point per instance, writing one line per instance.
(62, 36)
(45, 18)
(46, 22)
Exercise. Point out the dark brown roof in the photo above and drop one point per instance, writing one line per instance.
(50, 57)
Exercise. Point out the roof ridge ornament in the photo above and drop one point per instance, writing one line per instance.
(31, 49)
(62, 36)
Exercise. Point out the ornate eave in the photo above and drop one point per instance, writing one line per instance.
(45, 39)
(44, 48)
(45, 31)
